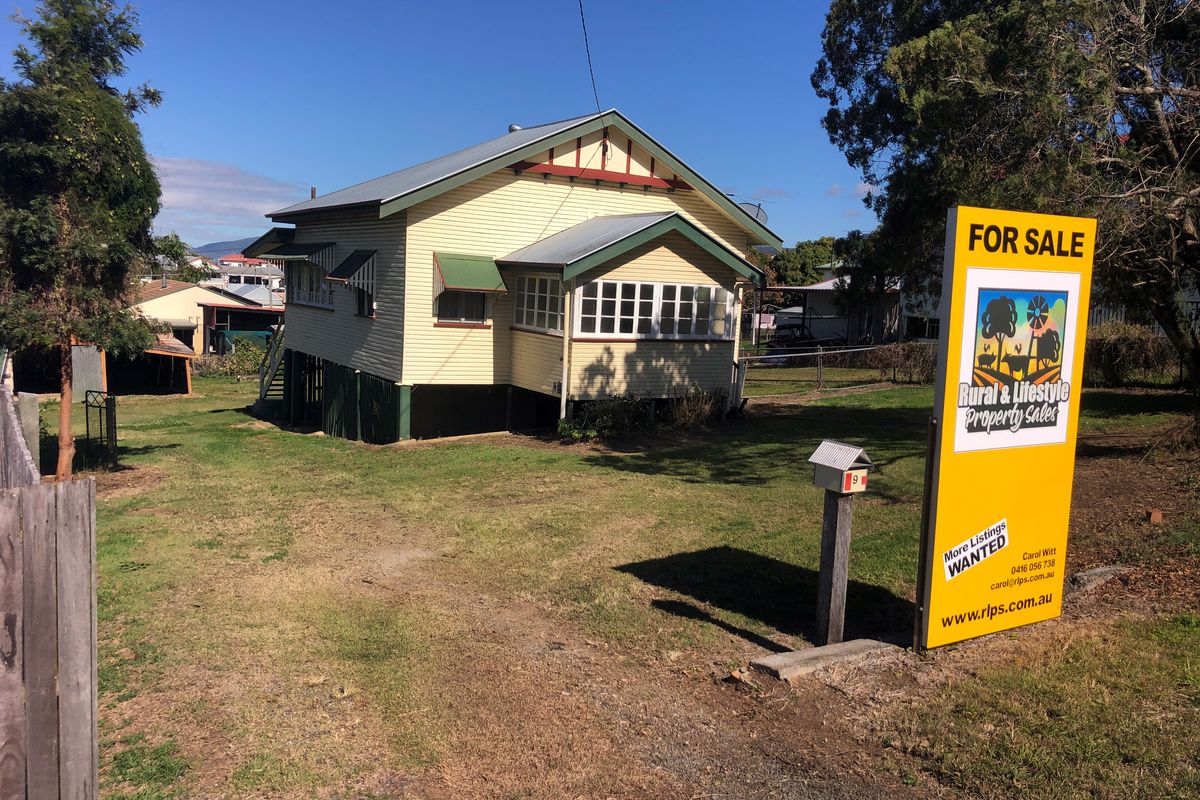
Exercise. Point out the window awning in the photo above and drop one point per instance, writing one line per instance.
(294, 251)
(350, 266)
(466, 273)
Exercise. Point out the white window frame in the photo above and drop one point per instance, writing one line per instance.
(655, 327)
(538, 299)
(305, 284)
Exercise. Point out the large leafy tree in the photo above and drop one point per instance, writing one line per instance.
(77, 192)
(797, 265)
(1085, 107)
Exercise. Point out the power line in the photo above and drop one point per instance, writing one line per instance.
(588, 49)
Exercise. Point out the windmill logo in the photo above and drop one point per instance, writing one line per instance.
(1016, 376)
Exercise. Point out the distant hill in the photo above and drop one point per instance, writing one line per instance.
(218, 249)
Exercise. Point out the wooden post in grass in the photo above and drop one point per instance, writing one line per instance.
(835, 564)
(841, 470)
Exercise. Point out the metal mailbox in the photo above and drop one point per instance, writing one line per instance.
(839, 467)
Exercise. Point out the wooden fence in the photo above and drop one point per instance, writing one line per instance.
(48, 734)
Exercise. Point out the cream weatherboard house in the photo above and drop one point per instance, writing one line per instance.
(500, 285)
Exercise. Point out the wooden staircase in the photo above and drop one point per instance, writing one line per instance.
(271, 376)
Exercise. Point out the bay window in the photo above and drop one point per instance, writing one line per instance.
(537, 304)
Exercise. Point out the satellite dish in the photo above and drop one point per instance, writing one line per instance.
(755, 210)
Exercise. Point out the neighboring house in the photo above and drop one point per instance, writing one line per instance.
(182, 306)
(497, 286)
(235, 269)
(823, 315)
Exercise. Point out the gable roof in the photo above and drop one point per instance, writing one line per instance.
(601, 239)
(399, 190)
(155, 289)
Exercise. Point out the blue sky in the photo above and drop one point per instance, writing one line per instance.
(263, 99)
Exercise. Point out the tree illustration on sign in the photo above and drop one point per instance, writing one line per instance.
(1049, 347)
(999, 322)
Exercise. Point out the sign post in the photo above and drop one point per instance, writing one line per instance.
(1002, 440)
(840, 469)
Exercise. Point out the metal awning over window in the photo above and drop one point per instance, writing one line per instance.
(351, 266)
(466, 273)
(296, 251)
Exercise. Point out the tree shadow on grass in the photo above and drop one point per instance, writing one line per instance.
(775, 593)
(773, 444)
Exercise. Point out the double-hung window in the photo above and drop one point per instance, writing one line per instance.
(642, 310)
(537, 304)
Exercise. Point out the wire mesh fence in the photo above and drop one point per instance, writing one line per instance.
(802, 370)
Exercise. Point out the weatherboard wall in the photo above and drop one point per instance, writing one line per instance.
(536, 361)
(496, 215)
(648, 367)
(375, 346)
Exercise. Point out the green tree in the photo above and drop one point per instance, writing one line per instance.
(172, 258)
(77, 192)
(797, 265)
(1086, 107)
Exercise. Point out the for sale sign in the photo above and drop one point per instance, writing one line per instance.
(1015, 296)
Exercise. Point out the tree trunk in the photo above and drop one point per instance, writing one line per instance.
(1177, 325)
(66, 439)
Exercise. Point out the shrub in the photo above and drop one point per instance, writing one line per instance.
(906, 362)
(625, 415)
(242, 362)
(697, 407)
(1121, 353)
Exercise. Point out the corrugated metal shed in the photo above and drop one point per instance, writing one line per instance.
(579, 241)
(838, 455)
(398, 184)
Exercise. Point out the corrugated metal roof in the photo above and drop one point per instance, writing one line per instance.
(397, 184)
(838, 455)
(578, 241)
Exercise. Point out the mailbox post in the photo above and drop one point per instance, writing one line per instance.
(841, 470)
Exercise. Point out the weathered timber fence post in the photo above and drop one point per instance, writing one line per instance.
(30, 416)
(48, 666)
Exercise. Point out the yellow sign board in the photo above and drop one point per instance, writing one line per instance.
(1002, 458)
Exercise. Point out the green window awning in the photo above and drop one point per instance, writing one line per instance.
(466, 273)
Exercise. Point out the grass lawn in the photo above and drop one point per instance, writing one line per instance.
(284, 613)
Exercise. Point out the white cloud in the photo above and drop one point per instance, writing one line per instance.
(205, 201)
(852, 212)
(834, 190)
(772, 193)
(862, 188)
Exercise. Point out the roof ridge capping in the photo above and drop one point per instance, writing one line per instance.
(404, 188)
(314, 202)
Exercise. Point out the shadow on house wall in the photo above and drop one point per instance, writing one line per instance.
(653, 368)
